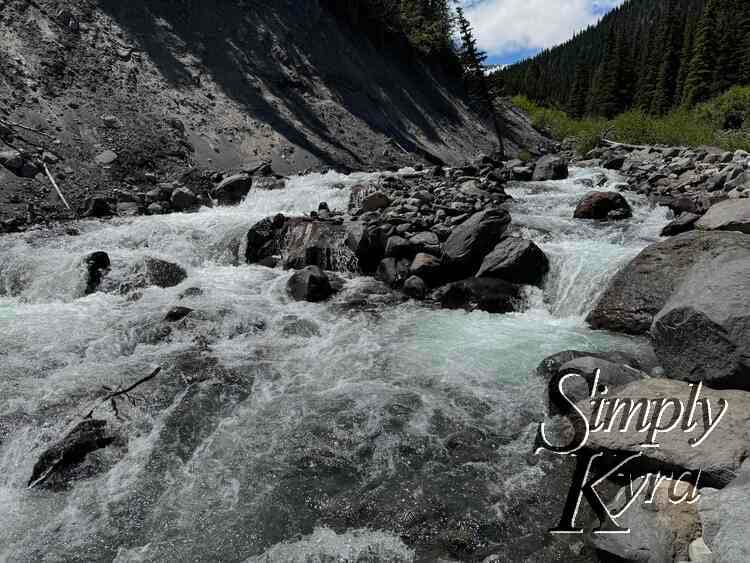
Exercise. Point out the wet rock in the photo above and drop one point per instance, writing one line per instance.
(233, 189)
(718, 458)
(399, 247)
(660, 531)
(550, 167)
(393, 271)
(517, 261)
(177, 314)
(642, 288)
(522, 173)
(729, 215)
(156, 209)
(154, 272)
(603, 206)
(684, 223)
(484, 294)
(310, 284)
(415, 287)
(263, 239)
(428, 268)
(614, 162)
(97, 207)
(183, 199)
(471, 241)
(53, 465)
(318, 243)
(426, 241)
(97, 265)
(305, 328)
(268, 183)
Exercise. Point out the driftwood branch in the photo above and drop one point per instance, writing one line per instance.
(54, 185)
(9, 123)
(623, 145)
(123, 392)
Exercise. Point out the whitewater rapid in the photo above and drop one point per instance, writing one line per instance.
(214, 462)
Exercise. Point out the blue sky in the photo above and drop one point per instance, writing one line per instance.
(511, 30)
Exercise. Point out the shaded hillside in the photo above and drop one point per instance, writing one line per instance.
(219, 85)
(651, 54)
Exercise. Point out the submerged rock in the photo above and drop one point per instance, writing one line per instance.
(88, 436)
(310, 284)
(484, 294)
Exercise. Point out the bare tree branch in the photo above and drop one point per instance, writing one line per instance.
(9, 123)
(122, 392)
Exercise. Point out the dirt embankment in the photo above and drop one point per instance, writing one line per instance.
(132, 94)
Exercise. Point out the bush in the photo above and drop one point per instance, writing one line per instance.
(707, 124)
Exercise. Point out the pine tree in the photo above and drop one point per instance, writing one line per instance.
(608, 97)
(666, 80)
(580, 92)
(698, 85)
(743, 74)
(471, 56)
(686, 57)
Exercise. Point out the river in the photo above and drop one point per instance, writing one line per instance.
(279, 430)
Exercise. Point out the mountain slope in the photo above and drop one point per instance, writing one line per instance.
(217, 85)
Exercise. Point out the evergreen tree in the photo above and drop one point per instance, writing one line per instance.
(471, 56)
(608, 97)
(580, 92)
(686, 57)
(666, 80)
(698, 85)
(743, 72)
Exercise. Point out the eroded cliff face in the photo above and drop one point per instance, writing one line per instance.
(166, 85)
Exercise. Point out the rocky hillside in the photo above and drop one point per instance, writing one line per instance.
(129, 95)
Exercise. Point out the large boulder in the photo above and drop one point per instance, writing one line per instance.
(310, 284)
(728, 215)
(603, 206)
(517, 261)
(154, 272)
(264, 239)
(428, 268)
(183, 199)
(724, 514)
(471, 241)
(233, 189)
(703, 331)
(484, 294)
(660, 530)
(718, 457)
(642, 288)
(550, 167)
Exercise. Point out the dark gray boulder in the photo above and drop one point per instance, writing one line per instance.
(484, 294)
(233, 189)
(393, 271)
(428, 268)
(97, 265)
(471, 241)
(415, 287)
(154, 272)
(517, 261)
(603, 206)
(310, 284)
(550, 167)
(642, 287)
(183, 200)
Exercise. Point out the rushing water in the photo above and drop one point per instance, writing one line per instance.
(277, 431)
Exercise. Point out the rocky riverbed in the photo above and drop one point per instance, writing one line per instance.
(350, 365)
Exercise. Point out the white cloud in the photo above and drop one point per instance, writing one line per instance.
(505, 26)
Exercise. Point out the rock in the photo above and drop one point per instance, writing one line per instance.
(521, 173)
(698, 552)
(328, 245)
(51, 468)
(177, 314)
(718, 458)
(550, 167)
(154, 272)
(428, 267)
(97, 207)
(399, 247)
(233, 189)
(684, 223)
(703, 331)
(728, 215)
(263, 240)
(128, 209)
(106, 158)
(724, 514)
(393, 272)
(612, 374)
(643, 287)
(310, 284)
(484, 294)
(415, 287)
(517, 261)
(97, 265)
(155, 209)
(12, 160)
(426, 241)
(268, 183)
(471, 241)
(375, 201)
(602, 206)
(660, 531)
(110, 121)
(614, 162)
(183, 199)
